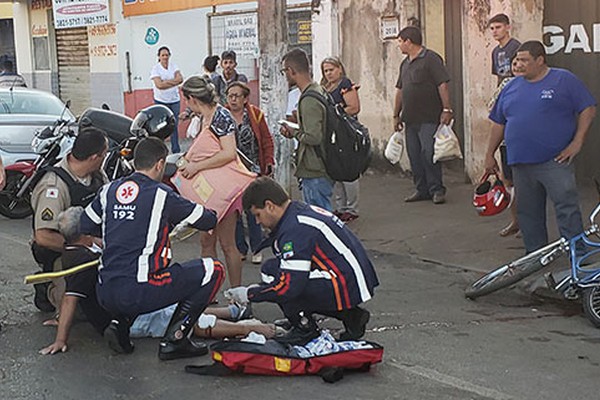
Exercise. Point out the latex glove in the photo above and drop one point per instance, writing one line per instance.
(238, 294)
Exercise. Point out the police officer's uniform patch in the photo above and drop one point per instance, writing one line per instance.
(47, 214)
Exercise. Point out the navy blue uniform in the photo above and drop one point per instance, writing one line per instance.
(319, 266)
(134, 216)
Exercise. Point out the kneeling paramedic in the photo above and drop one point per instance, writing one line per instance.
(320, 266)
(134, 216)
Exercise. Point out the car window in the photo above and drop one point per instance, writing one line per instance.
(18, 102)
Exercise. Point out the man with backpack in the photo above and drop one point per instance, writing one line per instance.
(312, 117)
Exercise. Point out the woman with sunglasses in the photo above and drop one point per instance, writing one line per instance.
(345, 94)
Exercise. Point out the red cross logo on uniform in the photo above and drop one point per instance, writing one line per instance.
(127, 192)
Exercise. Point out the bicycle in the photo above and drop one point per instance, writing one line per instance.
(582, 281)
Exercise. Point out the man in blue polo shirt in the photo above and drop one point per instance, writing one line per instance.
(544, 117)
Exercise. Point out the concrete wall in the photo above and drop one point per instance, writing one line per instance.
(372, 62)
(479, 84)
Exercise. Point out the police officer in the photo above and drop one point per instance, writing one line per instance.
(135, 215)
(320, 266)
(74, 181)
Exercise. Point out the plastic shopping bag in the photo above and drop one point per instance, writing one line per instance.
(446, 146)
(193, 127)
(395, 147)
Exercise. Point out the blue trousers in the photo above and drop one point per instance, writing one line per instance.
(317, 192)
(255, 235)
(197, 281)
(175, 107)
(427, 176)
(534, 183)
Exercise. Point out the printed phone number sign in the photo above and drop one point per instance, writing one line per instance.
(241, 35)
(76, 13)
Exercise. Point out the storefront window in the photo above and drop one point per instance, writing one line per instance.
(40, 53)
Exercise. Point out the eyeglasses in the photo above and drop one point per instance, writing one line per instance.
(234, 96)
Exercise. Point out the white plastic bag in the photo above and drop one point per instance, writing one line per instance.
(193, 127)
(446, 146)
(395, 147)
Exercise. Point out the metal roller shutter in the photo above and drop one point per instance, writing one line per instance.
(74, 67)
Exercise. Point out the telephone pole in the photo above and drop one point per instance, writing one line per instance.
(272, 39)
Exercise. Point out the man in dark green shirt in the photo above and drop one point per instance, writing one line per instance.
(310, 167)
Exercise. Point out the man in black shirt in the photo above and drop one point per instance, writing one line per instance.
(423, 97)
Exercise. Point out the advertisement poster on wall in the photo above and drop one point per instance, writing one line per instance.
(77, 13)
(241, 35)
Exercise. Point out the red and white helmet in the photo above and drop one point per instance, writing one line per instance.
(490, 198)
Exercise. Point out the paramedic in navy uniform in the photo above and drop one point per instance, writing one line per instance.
(134, 216)
(320, 266)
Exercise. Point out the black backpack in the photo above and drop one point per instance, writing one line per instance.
(347, 143)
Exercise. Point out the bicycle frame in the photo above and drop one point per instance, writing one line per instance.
(580, 277)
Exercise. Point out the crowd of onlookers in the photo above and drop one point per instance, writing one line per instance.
(539, 116)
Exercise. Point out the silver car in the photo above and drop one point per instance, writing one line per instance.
(22, 112)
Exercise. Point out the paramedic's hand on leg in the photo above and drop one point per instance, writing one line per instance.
(238, 294)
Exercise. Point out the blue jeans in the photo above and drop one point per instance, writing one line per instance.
(175, 107)
(427, 176)
(255, 235)
(533, 184)
(317, 192)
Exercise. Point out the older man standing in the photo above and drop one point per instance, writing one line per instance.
(423, 97)
(544, 117)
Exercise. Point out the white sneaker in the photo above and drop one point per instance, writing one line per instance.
(257, 258)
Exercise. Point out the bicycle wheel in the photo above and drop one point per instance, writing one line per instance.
(591, 305)
(514, 271)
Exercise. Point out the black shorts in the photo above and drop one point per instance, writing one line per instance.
(83, 286)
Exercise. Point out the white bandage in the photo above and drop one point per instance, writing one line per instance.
(207, 321)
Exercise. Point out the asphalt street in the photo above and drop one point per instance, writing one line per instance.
(438, 345)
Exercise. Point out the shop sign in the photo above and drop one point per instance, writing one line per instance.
(304, 32)
(77, 13)
(241, 35)
(145, 7)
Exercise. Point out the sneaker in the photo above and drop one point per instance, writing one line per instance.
(439, 198)
(355, 324)
(257, 258)
(185, 348)
(116, 336)
(40, 299)
(417, 196)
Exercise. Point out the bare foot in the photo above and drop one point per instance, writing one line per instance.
(51, 322)
(267, 330)
(509, 230)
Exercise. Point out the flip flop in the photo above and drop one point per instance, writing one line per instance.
(509, 230)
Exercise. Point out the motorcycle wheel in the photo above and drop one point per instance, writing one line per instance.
(22, 208)
(591, 305)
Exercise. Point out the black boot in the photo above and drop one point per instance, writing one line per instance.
(355, 321)
(176, 343)
(302, 332)
(40, 299)
(116, 335)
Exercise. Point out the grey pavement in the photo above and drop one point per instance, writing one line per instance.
(438, 345)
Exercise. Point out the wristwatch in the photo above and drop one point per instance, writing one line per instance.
(448, 110)
(181, 162)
